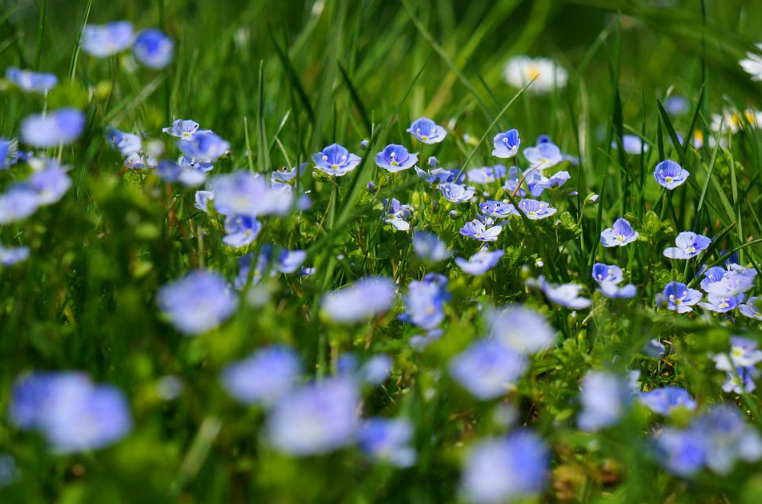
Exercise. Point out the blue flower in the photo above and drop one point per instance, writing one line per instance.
(184, 129)
(455, 193)
(246, 193)
(609, 277)
(204, 147)
(604, 397)
(497, 209)
(72, 413)
(28, 80)
(376, 370)
(364, 299)
(487, 369)
(263, 377)
(59, 127)
(395, 158)
(125, 143)
(316, 418)
(670, 174)
(506, 144)
(521, 329)
(440, 175)
(425, 301)
(169, 171)
(567, 295)
(17, 204)
(8, 153)
(679, 297)
(287, 176)
(676, 105)
(49, 183)
(241, 230)
(688, 245)
(732, 283)
(335, 160)
(427, 131)
(506, 469)
(397, 214)
(727, 438)
(719, 303)
(750, 308)
(433, 162)
(108, 39)
(486, 174)
(153, 48)
(12, 255)
(419, 342)
(632, 144)
(202, 199)
(429, 247)
(536, 210)
(682, 451)
(664, 400)
(387, 440)
(198, 302)
(619, 235)
(543, 156)
(480, 263)
(476, 230)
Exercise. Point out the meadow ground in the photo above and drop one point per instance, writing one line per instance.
(380, 251)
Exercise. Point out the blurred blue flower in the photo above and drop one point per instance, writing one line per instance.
(71, 412)
(728, 438)
(455, 193)
(50, 183)
(241, 230)
(264, 376)
(632, 144)
(8, 153)
(536, 210)
(441, 175)
(619, 235)
(12, 255)
(58, 127)
(169, 171)
(419, 342)
(425, 300)
(125, 143)
(676, 105)
(246, 193)
(366, 298)
(670, 174)
(731, 283)
(433, 162)
(476, 230)
(654, 348)
(198, 302)
(202, 199)
(335, 160)
(184, 129)
(506, 469)
(521, 329)
(429, 247)
(604, 397)
(567, 295)
(9, 473)
(679, 297)
(689, 245)
(486, 174)
(395, 158)
(316, 418)
(749, 309)
(388, 440)
(681, 451)
(506, 144)
(108, 39)
(28, 80)
(480, 263)
(375, 370)
(427, 131)
(609, 278)
(497, 209)
(153, 48)
(17, 204)
(543, 156)
(487, 369)
(204, 147)
(663, 400)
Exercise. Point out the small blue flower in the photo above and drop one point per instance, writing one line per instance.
(477, 231)
(486, 174)
(632, 144)
(567, 295)
(497, 209)
(335, 160)
(688, 245)
(17, 204)
(8, 153)
(750, 309)
(506, 144)
(455, 193)
(536, 210)
(106, 40)
(654, 348)
(204, 147)
(198, 302)
(59, 127)
(619, 235)
(125, 143)
(316, 418)
(49, 183)
(184, 129)
(609, 278)
(287, 176)
(169, 171)
(663, 400)
(425, 301)
(397, 214)
(479, 263)
(202, 199)
(246, 193)
(676, 105)
(433, 162)
(429, 247)
(427, 131)
(395, 158)
(364, 299)
(719, 304)
(263, 377)
(507, 469)
(387, 440)
(543, 156)
(376, 370)
(487, 369)
(681, 451)
(679, 297)
(153, 48)
(521, 329)
(12, 255)
(440, 175)
(670, 174)
(604, 397)
(241, 230)
(28, 80)
(730, 284)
